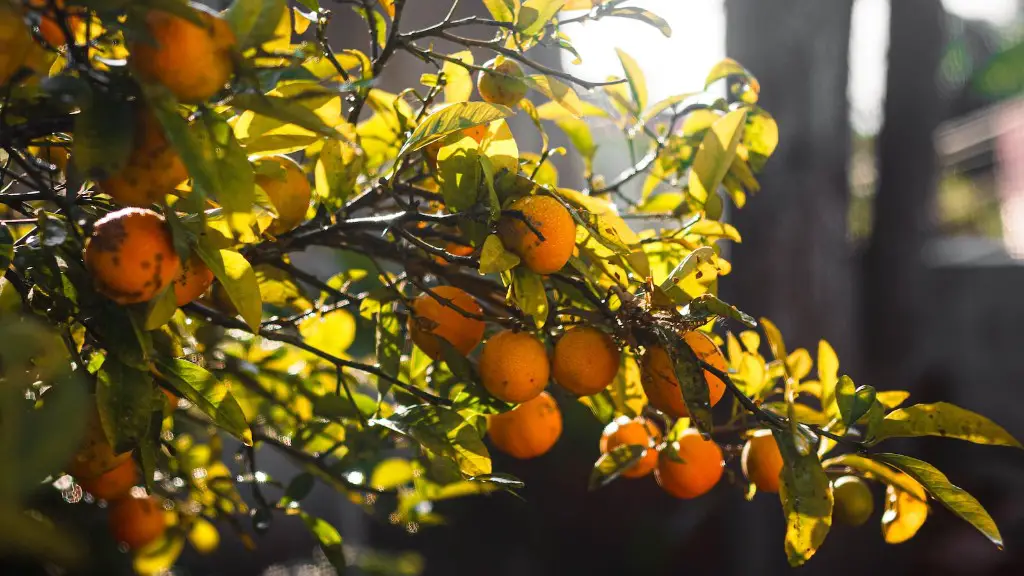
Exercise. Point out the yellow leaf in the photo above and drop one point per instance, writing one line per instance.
(332, 333)
(715, 155)
(904, 515)
(204, 536)
(458, 85)
(608, 221)
(159, 555)
(798, 363)
(946, 420)
(558, 91)
(391, 473)
(301, 21)
(500, 146)
(495, 258)
(555, 111)
(635, 78)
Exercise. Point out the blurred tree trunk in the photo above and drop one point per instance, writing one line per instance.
(794, 265)
(907, 173)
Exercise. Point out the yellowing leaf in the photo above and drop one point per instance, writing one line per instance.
(712, 228)
(555, 111)
(391, 473)
(203, 536)
(775, 341)
(877, 471)
(603, 216)
(500, 147)
(333, 332)
(806, 496)
(729, 67)
(238, 278)
(495, 258)
(160, 555)
(459, 172)
(534, 15)
(528, 294)
(558, 91)
(458, 85)
(904, 515)
(635, 78)
(452, 118)
(503, 10)
(828, 375)
(715, 155)
(943, 419)
(892, 398)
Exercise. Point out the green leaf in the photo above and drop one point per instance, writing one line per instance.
(458, 82)
(707, 306)
(443, 432)
(635, 78)
(334, 407)
(578, 133)
(380, 25)
(254, 21)
(124, 399)
(534, 15)
(1003, 74)
(452, 118)
(289, 110)
(104, 134)
(495, 258)
(854, 401)
(692, 383)
(459, 173)
(327, 535)
(389, 345)
(160, 310)
(336, 172)
(209, 395)
(300, 487)
(613, 463)
(943, 419)
(953, 497)
(806, 499)
(644, 16)
(238, 278)
(502, 10)
(716, 154)
(529, 295)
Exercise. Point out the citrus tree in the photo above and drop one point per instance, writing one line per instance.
(165, 167)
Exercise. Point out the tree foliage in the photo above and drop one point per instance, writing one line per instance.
(406, 192)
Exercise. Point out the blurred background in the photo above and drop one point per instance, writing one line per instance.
(890, 222)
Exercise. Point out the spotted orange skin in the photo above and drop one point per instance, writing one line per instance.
(194, 279)
(762, 461)
(154, 168)
(555, 224)
(585, 361)
(700, 470)
(659, 376)
(95, 455)
(633, 432)
(114, 484)
(432, 320)
(131, 255)
(529, 430)
(514, 366)
(498, 89)
(290, 193)
(137, 521)
(194, 62)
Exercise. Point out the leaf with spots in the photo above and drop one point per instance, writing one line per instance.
(125, 399)
(946, 420)
(806, 499)
(233, 271)
(209, 394)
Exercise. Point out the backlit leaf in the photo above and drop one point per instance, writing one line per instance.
(495, 258)
(458, 85)
(210, 395)
(452, 118)
(806, 496)
(528, 294)
(904, 515)
(645, 16)
(534, 15)
(943, 419)
(557, 91)
(854, 401)
(716, 154)
(635, 78)
(237, 277)
(613, 463)
(255, 21)
(124, 398)
(443, 432)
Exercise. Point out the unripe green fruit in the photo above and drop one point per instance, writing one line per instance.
(495, 88)
(853, 501)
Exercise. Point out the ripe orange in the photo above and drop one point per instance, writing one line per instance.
(131, 255)
(113, 484)
(505, 87)
(194, 279)
(555, 224)
(528, 430)
(95, 455)
(585, 360)
(289, 191)
(193, 62)
(699, 471)
(153, 169)
(137, 521)
(659, 376)
(637, 432)
(454, 249)
(514, 366)
(853, 501)
(762, 461)
(49, 28)
(432, 319)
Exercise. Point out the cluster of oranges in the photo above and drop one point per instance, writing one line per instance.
(101, 471)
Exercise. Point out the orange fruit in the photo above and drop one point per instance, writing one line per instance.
(762, 461)
(528, 430)
(514, 366)
(50, 29)
(131, 255)
(585, 360)
(475, 132)
(194, 62)
(114, 484)
(699, 471)
(554, 223)
(288, 190)
(659, 376)
(853, 501)
(456, 250)
(137, 521)
(432, 320)
(172, 398)
(153, 169)
(636, 432)
(194, 279)
(500, 83)
(95, 455)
